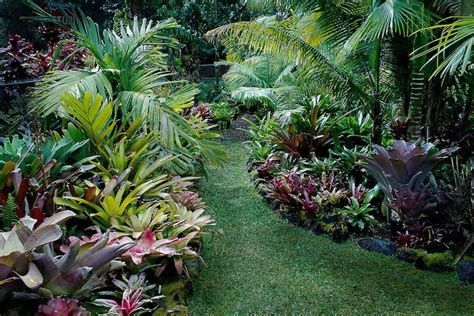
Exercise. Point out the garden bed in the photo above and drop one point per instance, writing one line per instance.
(326, 205)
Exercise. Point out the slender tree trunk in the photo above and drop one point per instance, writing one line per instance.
(470, 242)
(468, 109)
(376, 108)
(417, 97)
(433, 97)
(401, 48)
(416, 105)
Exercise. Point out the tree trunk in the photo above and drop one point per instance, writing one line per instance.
(434, 97)
(401, 48)
(468, 109)
(416, 105)
(417, 96)
(376, 109)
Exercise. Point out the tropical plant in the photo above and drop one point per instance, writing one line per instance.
(317, 166)
(17, 259)
(351, 131)
(190, 221)
(121, 145)
(35, 172)
(189, 199)
(295, 191)
(116, 202)
(129, 69)
(62, 306)
(153, 217)
(260, 151)
(136, 283)
(368, 55)
(18, 59)
(304, 144)
(150, 252)
(132, 303)
(31, 156)
(80, 270)
(409, 205)
(452, 50)
(405, 166)
(258, 79)
(347, 158)
(223, 114)
(8, 215)
(357, 213)
(336, 28)
(330, 191)
(202, 110)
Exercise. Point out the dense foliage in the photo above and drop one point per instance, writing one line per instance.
(108, 190)
(357, 91)
(359, 117)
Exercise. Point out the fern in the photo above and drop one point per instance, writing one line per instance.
(8, 215)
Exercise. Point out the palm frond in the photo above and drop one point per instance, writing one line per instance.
(452, 51)
(398, 17)
(77, 82)
(451, 7)
(126, 74)
(289, 45)
(253, 94)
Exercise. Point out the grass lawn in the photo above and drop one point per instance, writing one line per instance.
(261, 264)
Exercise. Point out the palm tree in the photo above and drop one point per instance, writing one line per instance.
(130, 70)
(357, 30)
(287, 40)
(452, 54)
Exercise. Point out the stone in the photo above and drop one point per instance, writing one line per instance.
(378, 245)
(466, 271)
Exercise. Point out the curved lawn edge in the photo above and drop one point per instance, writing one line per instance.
(263, 264)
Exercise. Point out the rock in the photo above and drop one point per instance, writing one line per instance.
(365, 243)
(466, 272)
(377, 245)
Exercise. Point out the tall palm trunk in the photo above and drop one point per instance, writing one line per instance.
(416, 104)
(400, 49)
(470, 242)
(376, 108)
(434, 96)
(468, 108)
(417, 96)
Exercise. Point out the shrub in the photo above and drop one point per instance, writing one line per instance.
(223, 114)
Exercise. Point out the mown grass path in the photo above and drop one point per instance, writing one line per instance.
(261, 264)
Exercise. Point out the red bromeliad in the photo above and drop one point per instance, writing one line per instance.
(131, 303)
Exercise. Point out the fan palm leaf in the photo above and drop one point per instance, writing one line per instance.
(393, 17)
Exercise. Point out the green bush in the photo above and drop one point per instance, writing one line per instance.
(223, 114)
